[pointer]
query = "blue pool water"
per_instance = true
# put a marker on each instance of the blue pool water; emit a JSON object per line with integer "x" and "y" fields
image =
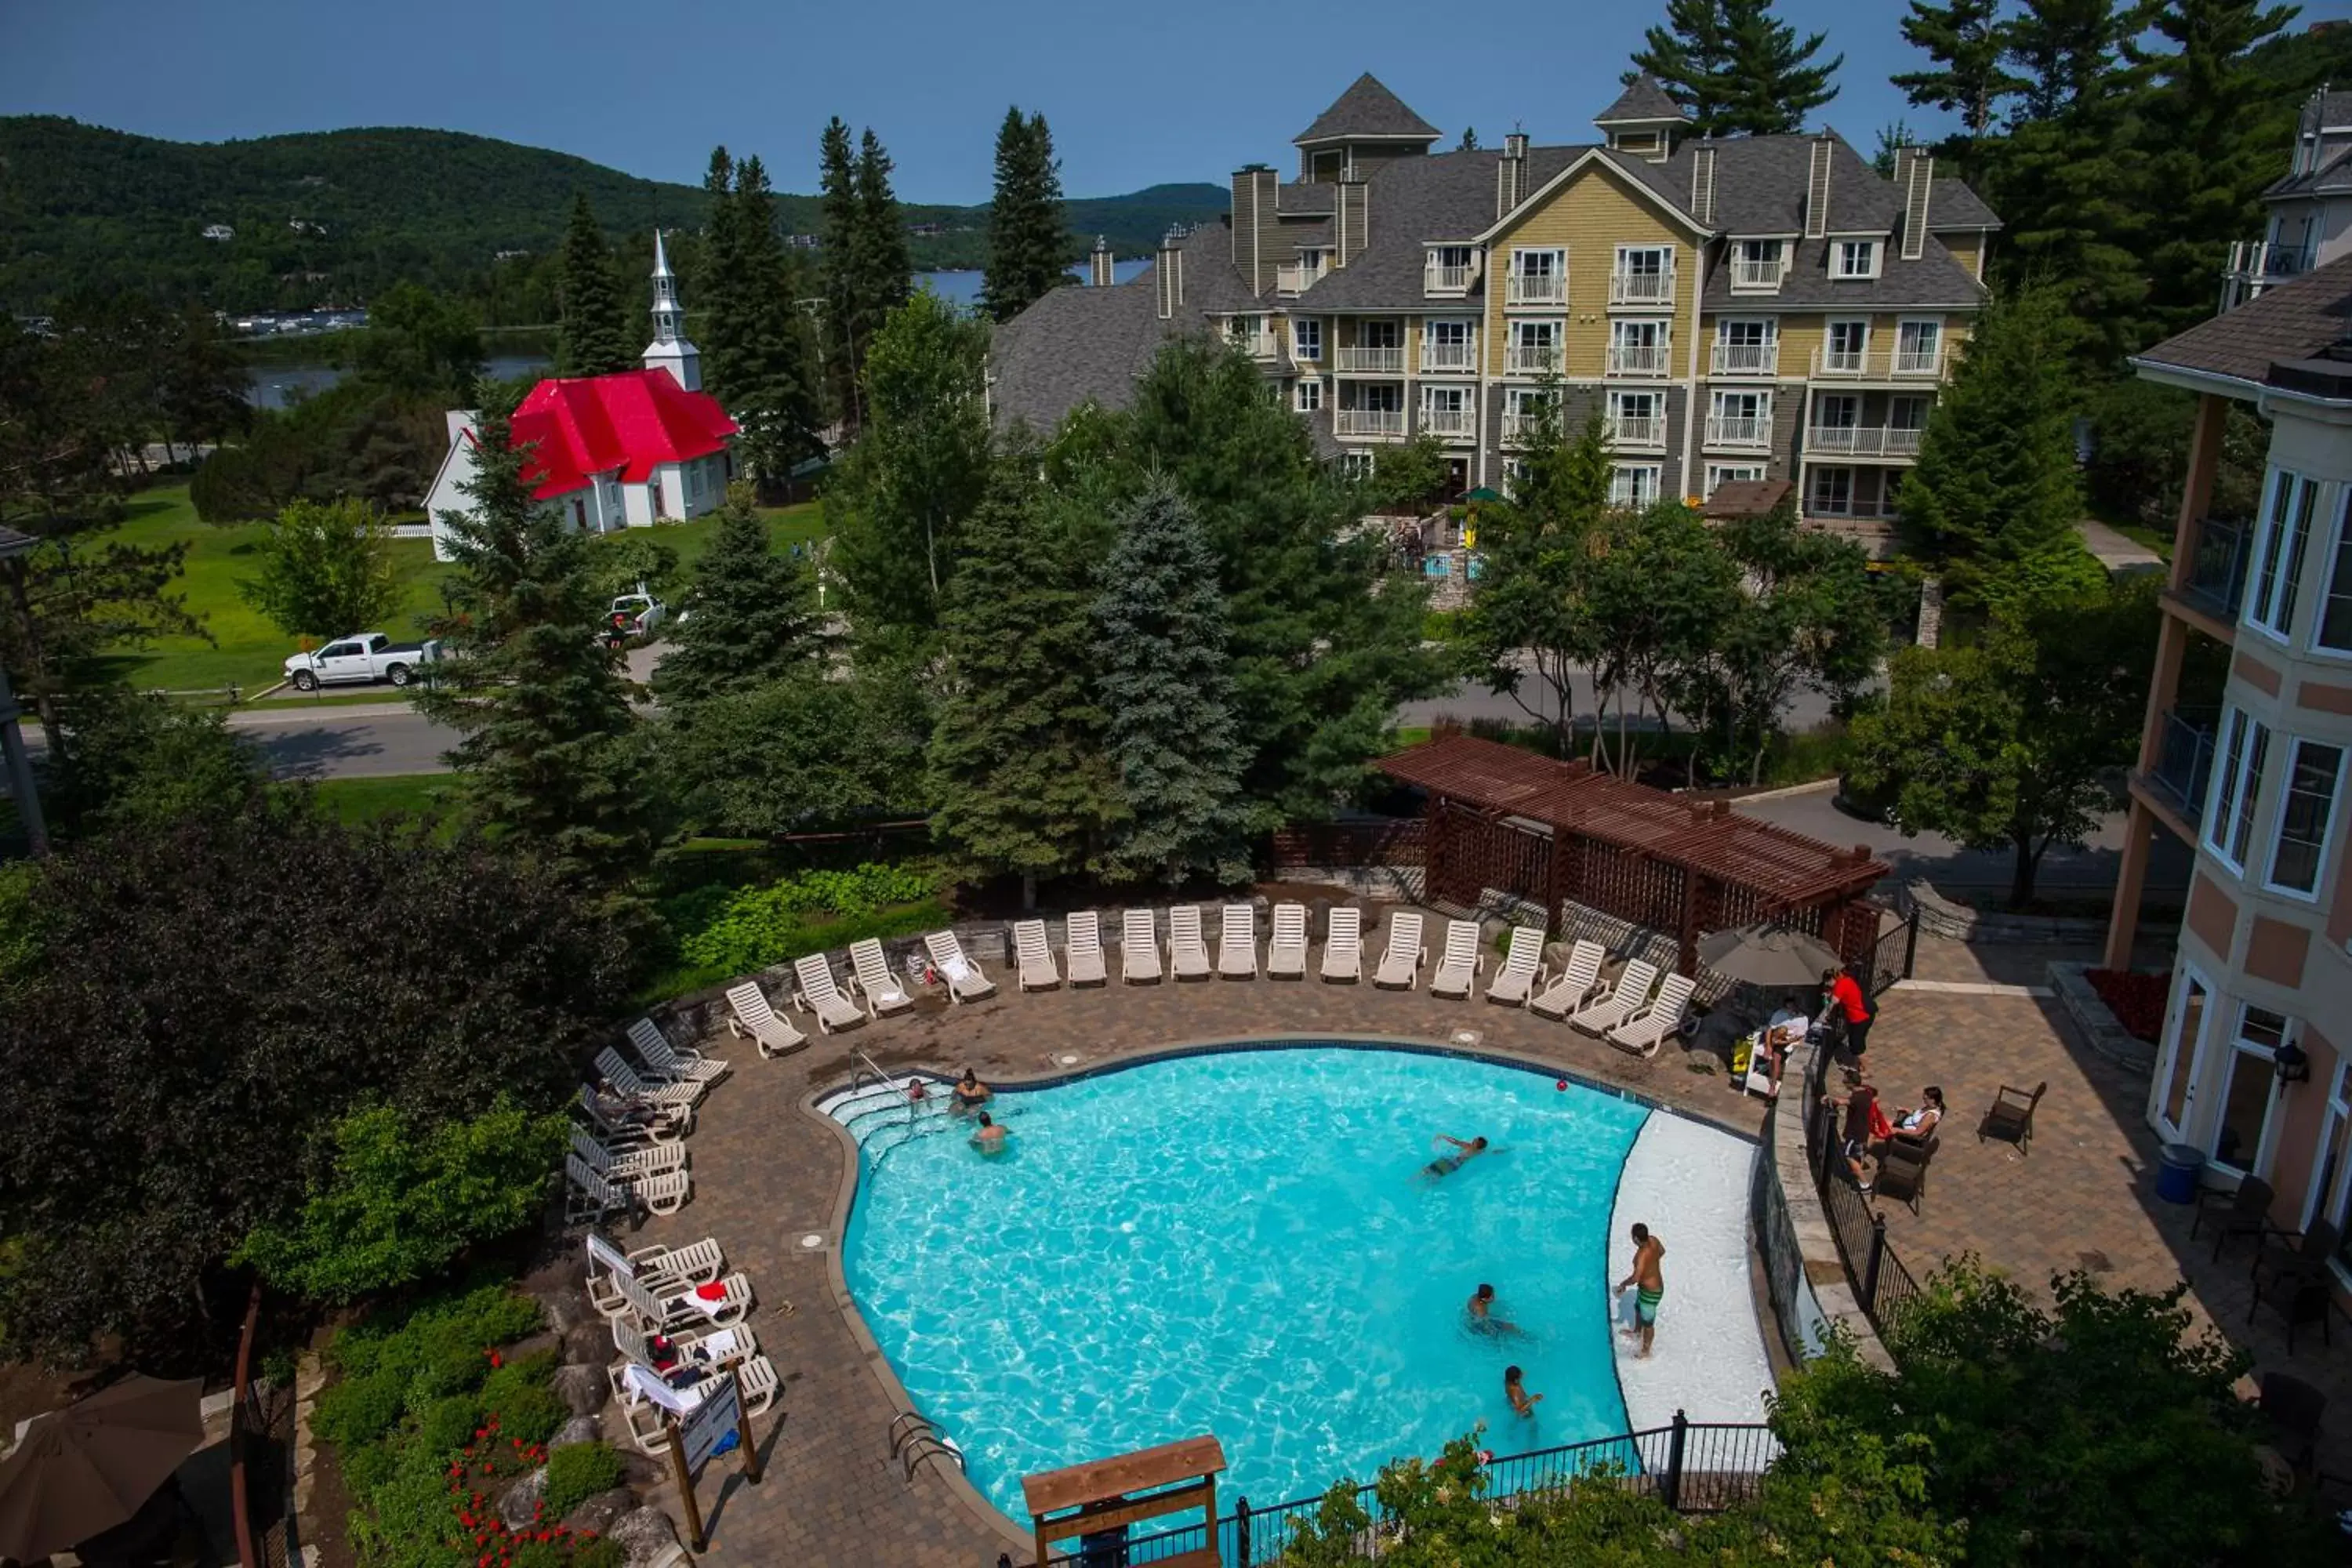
{"x": 1241, "y": 1244}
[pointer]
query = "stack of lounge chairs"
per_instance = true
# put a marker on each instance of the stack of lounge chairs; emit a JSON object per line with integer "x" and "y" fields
{"x": 678, "y": 1321}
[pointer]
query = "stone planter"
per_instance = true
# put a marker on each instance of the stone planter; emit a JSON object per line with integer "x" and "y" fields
{"x": 2100, "y": 1029}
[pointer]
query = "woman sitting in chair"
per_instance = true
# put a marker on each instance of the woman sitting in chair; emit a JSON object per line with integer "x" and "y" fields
{"x": 1917, "y": 1125}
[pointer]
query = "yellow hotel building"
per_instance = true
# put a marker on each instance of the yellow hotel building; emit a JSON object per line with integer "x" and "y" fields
{"x": 1763, "y": 307}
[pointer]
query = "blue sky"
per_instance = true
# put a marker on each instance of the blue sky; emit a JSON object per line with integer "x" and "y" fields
{"x": 1138, "y": 93}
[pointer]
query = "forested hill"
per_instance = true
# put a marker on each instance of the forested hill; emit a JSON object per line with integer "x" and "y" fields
{"x": 332, "y": 217}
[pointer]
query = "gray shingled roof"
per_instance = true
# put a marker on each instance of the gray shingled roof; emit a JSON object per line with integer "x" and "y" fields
{"x": 1760, "y": 185}
{"x": 1365, "y": 108}
{"x": 1936, "y": 278}
{"x": 1409, "y": 202}
{"x": 1951, "y": 205}
{"x": 2291, "y": 322}
{"x": 1305, "y": 198}
{"x": 2331, "y": 178}
{"x": 1642, "y": 99}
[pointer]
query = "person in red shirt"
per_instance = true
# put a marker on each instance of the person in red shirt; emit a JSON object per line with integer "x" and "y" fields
{"x": 1845, "y": 994}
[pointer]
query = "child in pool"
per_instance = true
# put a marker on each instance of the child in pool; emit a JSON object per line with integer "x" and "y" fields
{"x": 1462, "y": 1154}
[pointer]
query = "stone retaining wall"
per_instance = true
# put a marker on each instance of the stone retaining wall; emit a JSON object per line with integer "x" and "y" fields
{"x": 1939, "y": 916}
{"x": 2101, "y": 1031}
{"x": 1815, "y": 1299}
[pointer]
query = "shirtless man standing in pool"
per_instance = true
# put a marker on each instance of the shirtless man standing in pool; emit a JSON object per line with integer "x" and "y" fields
{"x": 1445, "y": 1164}
{"x": 1649, "y": 1285}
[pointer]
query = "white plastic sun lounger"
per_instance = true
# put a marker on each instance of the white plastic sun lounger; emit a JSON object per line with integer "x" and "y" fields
{"x": 627, "y": 1164}
{"x": 1649, "y": 1027}
{"x": 1286, "y": 951}
{"x": 658, "y": 1269}
{"x": 655, "y": 1125}
{"x": 1188, "y": 955}
{"x": 685, "y": 1310}
{"x": 1400, "y": 963}
{"x": 1237, "y": 942}
{"x": 1634, "y": 982}
{"x": 1460, "y": 964}
{"x": 653, "y": 1049}
{"x": 683, "y": 1096}
{"x": 1574, "y": 986}
{"x": 870, "y": 977}
{"x": 595, "y": 1196}
{"x": 1343, "y": 947}
{"x": 819, "y": 994}
{"x": 643, "y": 1395}
{"x": 1516, "y": 980}
{"x": 965, "y": 980}
{"x": 1082, "y": 949}
{"x": 1035, "y": 957}
{"x": 1138, "y": 949}
{"x": 769, "y": 1030}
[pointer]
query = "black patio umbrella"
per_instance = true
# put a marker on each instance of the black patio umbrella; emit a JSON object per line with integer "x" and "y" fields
{"x": 1776, "y": 957}
{"x": 91, "y": 1466}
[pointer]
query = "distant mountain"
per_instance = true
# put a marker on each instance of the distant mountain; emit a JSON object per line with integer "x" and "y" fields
{"x": 333, "y": 218}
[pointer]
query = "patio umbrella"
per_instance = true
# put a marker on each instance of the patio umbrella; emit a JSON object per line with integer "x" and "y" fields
{"x": 89, "y": 1467}
{"x": 1484, "y": 493}
{"x": 1776, "y": 957}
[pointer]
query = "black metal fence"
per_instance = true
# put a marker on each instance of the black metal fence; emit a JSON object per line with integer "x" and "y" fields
{"x": 1881, "y": 1283}
{"x": 1892, "y": 954}
{"x": 1693, "y": 1467}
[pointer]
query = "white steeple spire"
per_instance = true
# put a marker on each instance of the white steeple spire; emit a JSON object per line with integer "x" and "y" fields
{"x": 669, "y": 350}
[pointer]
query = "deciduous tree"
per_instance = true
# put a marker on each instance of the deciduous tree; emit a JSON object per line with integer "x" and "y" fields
{"x": 1028, "y": 232}
{"x": 755, "y": 618}
{"x": 420, "y": 344}
{"x": 598, "y": 334}
{"x": 326, "y": 569}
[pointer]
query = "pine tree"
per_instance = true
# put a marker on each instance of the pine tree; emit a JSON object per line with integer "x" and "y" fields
{"x": 1688, "y": 56}
{"x": 846, "y": 326}
{"x": 755, "y": 617}
{"x": 2217, "y": 127}
{"x": 889, "y": 275}
{"x": 550, "y": 759}
{"x": 755, "y": 353}
{"x": 596, "y": 336}
{"x": 1469, "y": 142}
{"x": 1995, "y": 487}
{"x": 1167, "y": 682}
{"x": 1017, "y": 763}
{"x": 1967, "y": 41}
{"x": 2069, "y": 52}
{"x": 1737, "y": 67}
{"x": 1028, "y": 232}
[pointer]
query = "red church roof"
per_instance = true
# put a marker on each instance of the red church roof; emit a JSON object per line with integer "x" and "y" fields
{"x": 631, "y": 421}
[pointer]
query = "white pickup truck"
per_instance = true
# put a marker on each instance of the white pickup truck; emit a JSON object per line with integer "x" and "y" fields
{"x": 358, "y": 660}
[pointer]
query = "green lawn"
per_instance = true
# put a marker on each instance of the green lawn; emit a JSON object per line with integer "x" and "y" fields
{"x": 365, "y": 800}
{"x": 248, "y": 651}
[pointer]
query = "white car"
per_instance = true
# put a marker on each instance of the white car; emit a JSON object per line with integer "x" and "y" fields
{"x": 360, "y": 659}
{"x": 643, "y": 612}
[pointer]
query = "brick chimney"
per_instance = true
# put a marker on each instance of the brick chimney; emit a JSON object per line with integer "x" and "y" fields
{"x": 1817, "y": 188}
{"x": 1257, "y": 195}
{"x": 1915, "y": 167}
{"x": 1168, "y": 275}
{"x": 1511, "y": 175}
{"x": 1703, "y": 182}
{"x": 1099, "y": 270}
{"x": 1351, "y": 223}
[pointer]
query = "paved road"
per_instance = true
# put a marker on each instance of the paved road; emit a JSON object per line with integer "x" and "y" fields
{"x": 366, "y": 740}
{"x": 1472, "y": 700}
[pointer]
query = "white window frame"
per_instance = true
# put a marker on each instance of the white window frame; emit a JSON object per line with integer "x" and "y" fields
{"x": 1356, "y": 463}
{"x": 2239, "y": 763}
{"x": 2275, "y": 585}
{"x": 1774, "y": 252}
{"x": 2240, "y": 1044}
{"x": 2339, "y": 587}
{"x": 1721, "y": 474}
{"x": 1308, "y": 397}
{"x": 1813, "y": 478}
{"x": 1767, "y": 337}
{"x": 1930, "y": 327}
{"x": 1860, "y": 325}
{"x": 1301, "y": 329}
{"x": 1457, "y": 397}
{"x": 2292, "y": 751}
{"x": 1627, "y": 478}
{"x": 1522, "y": 254}
{"x": 1841, "y": 252}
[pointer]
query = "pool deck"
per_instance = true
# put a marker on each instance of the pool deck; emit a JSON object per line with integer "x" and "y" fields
{"x": 769, "y": 1173}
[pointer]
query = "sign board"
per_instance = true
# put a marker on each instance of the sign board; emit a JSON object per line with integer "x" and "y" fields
{"x": 711, "y": 1423}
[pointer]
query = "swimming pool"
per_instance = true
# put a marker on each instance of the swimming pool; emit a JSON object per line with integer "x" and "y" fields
{"x": 1243, "y": 1244}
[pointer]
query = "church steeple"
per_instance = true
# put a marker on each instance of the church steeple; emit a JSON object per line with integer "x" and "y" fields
{"x": 669, "y": 350}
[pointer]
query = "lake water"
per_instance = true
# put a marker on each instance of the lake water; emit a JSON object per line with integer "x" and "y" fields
{"x": 275, "y": 386}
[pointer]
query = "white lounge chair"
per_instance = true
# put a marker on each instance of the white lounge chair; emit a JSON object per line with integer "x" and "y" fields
{"x": 1516, "y": 980}
{"x": 1651, "y": 1023}
{"x": 644, "y": 1411}
{"x": 870, "y": 977}
{"x": 596, "y": 1196}
{"x": 1082, "y": 949}
{"x": 965, "y": 980}
{"x": 774, "y": 1034}
{"x": 1286, "y": 950}
{"x": 1035, "y": 957}
{"x": 1237, "y": 942}
{"x": 819, "y": 995}
{"x": 1400, "y": 962}
{"x": 1574, "y": 986}
{"x": 1634, "y": 982}
{"x": 1187, "y": 954}
{"x": 1343, "y": 947}
{"x": 1459, "y": 964}
{"x": 659, "y": 1269}
{"x": 627, "y": 1164}
{"x": 685, "y": 1311}
{"x": 635, "y": 1128}
{"x": 646, "y": 1092}
{"x": 653, "y": 1049}
{"x": 1138, "y": 949}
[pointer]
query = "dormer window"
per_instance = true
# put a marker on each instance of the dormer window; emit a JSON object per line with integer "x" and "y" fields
{"x": 1450, "y": 268}
{"x": 1854, "y": 259}
{"x": 1757, "y": 263}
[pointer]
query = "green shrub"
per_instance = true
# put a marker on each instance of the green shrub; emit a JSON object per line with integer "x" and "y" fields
{"x": 448, "y": 1425}
{"x": 578, "y": 1472}
{"x": 531, "y": 1411}
{"x": 369, "y": 1468}
{"x": 467, "y": 1321}
{"x": 361, "y": 1409}
{"x": 754, "y": 926}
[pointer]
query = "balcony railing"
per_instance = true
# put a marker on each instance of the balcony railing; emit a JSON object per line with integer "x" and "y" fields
{"x": 2255, "y": 265}
{"x": 1369, "y": 422}
{"x": 1532, "y": 359}
{"x": 1637, "y": 359}
{"x": 1294, "y": 277}
{"x": 1536, "y": 289}
{"x": 1373, "y": 361}
{"x": 1437, "y": 279}
{"x": 1863, "y": 441}
{"x": 1448, "y": 422}
{"x": 1637, "y": 430}
{"x": 1435, "y": 355}
{"x": 1257, "y": 345}
{"x": 1738, "y": 429}
{"x": 2184, "y": 760}
{"x": 1517, "y": 427}
{"x": 2217, "y": 572}
{"x": 1746, "y": 359}
{"x": 1756, "y": 274}
{"x": 1880, "y": 364}
{"x": 1642, "y": 288}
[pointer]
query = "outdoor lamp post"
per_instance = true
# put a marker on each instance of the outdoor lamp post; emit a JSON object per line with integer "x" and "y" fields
{"x": 2292, "y": 1065}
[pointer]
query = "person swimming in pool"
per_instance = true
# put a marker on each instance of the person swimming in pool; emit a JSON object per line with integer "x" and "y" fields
{"x": 990, "y": 1139}
{"x": 1480, "y": 1312}
{"x": 1517, "y": 1393}
{"x": 970, "y": 1094}
{"x": 1462, "y": 1154}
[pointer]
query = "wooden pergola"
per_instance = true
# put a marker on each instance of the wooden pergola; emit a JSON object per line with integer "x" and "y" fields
{"x": 1503, "y": 818}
